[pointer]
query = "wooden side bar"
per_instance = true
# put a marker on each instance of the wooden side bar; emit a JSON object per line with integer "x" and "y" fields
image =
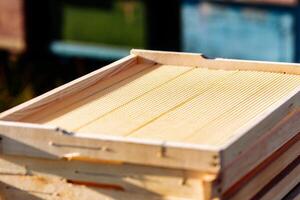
{"x": 59, "y": 94}
{"x": 274, "y": 128}
{"x": 199, "y": 60}
{"x": 138, "y": 179}
{"x": 256, "y": 179}
{"x": 54, "y": 143}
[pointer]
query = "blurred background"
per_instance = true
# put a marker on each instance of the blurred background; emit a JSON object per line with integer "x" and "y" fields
{"x": 44, "y": 44}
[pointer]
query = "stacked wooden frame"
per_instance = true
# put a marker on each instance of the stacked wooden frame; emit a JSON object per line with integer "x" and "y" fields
{"x": 47, "y": 151}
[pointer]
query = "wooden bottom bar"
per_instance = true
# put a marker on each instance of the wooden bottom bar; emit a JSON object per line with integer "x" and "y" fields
{"x": 36, "y": 187}
{"x": 22, "y": 187}
{"x": 161, "y": 183}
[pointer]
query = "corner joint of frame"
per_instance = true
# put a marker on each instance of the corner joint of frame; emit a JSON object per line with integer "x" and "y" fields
{"x": 64, "y": 131}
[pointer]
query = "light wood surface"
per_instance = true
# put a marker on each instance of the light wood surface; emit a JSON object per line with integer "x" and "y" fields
{"x": 164, "y": 109}
{"x": 286, "y": 184}
{"x": 24, "y": 187}
{"x": 256, "y": 183}
{"x": 104, "y": 102}
{"x": 45, "y": 101}
{"x": 136, "y": 179}
{"x": 198, "y": 60}
{"x": 176, "y": 103}
{"x": 246, "y": 153}
{"x": 53, "y": 143}
{"x": 85, "y": 95}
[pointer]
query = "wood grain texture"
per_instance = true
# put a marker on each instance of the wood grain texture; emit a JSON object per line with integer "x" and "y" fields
{"x": 286, "y": 184}
{"x": 87, "y": 97}
{"x": 106, "y": 101}
{"x": 49, "y": 99}
{"x": 24, "y": 187}
{"x": 271, "y": 130}
{"x": 136, "y": 179}
{"x": 52, "y": 143}
{"x": 259, "y": 180}
{"x": 156, "y": 103}
{"x": 143, "y": 100}
{"x": 178, "y": 104}
{"x": 198, "y": 60}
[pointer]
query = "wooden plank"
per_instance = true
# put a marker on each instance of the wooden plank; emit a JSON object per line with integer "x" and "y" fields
{"x": 268, "y": 171}
{"x": 198, "y": 60}
{"x": 104, "y": 102}
{"x": 12, "y": 30}
{"x": 228, "y": 110}
{"x": 141, "y": 105}
{"x": 250, "y": 104}
{"x": 294, "y": 194}
{"x": 58, "y": 94}
{"x": 87, "y": 97}
{"x": 50, "y": 142}
{"x": 279, "y": 123}
{"x": 287, "y": 183}
{"x": 131, "y": 178}
{"x": 152, "y": 105}
{"x": 26, "y": 187}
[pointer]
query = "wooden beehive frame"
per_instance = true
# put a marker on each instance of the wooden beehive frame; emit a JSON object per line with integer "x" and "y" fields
{"x": 264, "y": 173}
{"x": 278, "y": 124}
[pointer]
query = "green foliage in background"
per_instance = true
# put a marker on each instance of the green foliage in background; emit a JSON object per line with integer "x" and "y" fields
{"x": 122, "y": 24}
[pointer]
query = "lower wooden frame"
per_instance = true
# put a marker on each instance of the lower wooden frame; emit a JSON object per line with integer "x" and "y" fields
{"x": 258, "y": 179}
{"x": 22, "y": 187}
{"x": 22, "y": 183}
{"x": 288, "y": 179}
{"x": 157, "y": 183}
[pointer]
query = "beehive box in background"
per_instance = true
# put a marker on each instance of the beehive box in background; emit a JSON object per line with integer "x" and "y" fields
{"x": 158, "y": 125}
{"x": 240, "y": 32}
{"x": 12, "y": 29}
{"x": 271, "y": 2}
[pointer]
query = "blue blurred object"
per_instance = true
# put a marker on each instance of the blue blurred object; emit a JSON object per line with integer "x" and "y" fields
{"x": 220, "y": 30}
{"x": 69, "y": 49}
